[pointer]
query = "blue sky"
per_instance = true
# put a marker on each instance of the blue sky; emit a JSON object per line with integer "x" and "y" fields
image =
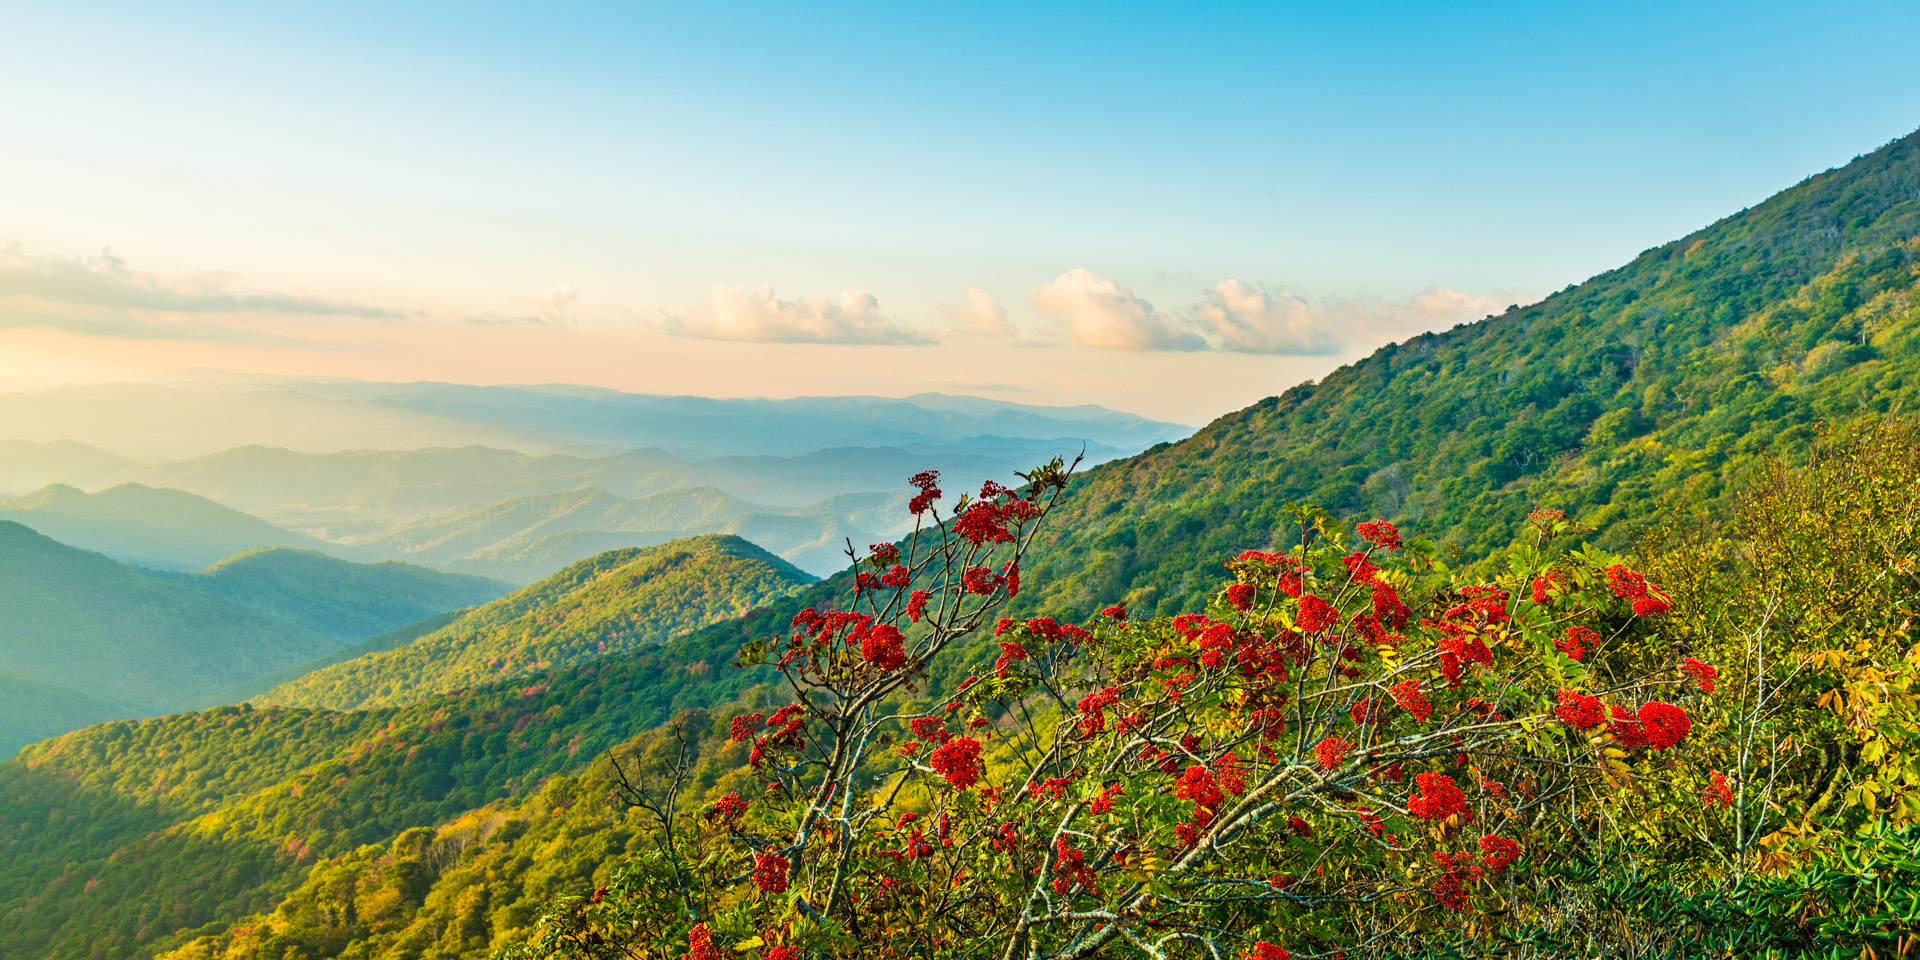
{"x": 681, "y": 198}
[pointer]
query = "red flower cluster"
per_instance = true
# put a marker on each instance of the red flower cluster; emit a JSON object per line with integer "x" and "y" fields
{"x": 884, "y": 553}
{"x": 785, "y": 724}
{"x": 1450, "y": 887}
{"x": 1379, "y": 533}
{"x": 917, "y": 606}
{"x": 1359, "y": 568}
{"x": 1664, "y": 724}
{"x": 1104, "y": 802}
{"x": 1366, "y": 711}
{"x": 1198, "y": 786}
{"x": 897, "y": 577}
{"x": 1093, "y": 710}
{"x": 884, "y": 647}
{"x": 1576, "y": 642}
{"x": 1703, "y": 673}
{"x": 958, "y": 760}
{"x": 1497, "y": 853}
{"x": 744, "y": 726}
{"x": 980, "y": 580}
{"x": 1331, "y": 751}
{"x": 1009, "y": 653}
{"x": 1578, "y": 710}
{"x": 1240, "y": 596}
{"x": 728, "y": 808}
{"x": 1484, "y": 602}
{"x": 1387, "y": 607}
{"x": 1070, "y": 868}
{"x": 1263, "y": 950}
{"x": 1115, "y": 612}
{"x": 982, "y": 523}
{"x": 928, "y": 481}
{"x": 1438, "y": 798}
{"x": 1407, "y": 694}
{"x": 1300, "y": 827}
{"x": 770, "y": 872}
{"x": 1647, "y": 600}
{"x": 1544, "y": 586}
{"x": 700, "y": 944}
{"x": 930, "y": 728}
{"x": 1718, "y": 792}
{"x": 1316, "y": 614}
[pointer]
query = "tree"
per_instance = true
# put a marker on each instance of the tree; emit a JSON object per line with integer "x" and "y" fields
{"x": 1349, "y": 750}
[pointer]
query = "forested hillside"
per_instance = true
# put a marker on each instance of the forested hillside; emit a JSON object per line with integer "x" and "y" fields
{"x": 85, "y": 638}
{"x": 1640, "y": 394}
{"x": 127, "y": 838}
{"x": 349, "y": 601}
{"x": 615, "y": 603}
{"x": 163, "y": 529}
{"x": 118, "y": 641}
{"x": 1643, "y": 392}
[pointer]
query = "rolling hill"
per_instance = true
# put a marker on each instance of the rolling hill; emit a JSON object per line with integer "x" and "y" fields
{"x": 526, "y": 538}
{"x": 1636, "y": 396}
{"x": 614, "y": 603}
{"x": 334, "y": 597}
{"x": 82, "y": 624}
{"x": 200, "y": 414}
{"x": 164, "y": 529}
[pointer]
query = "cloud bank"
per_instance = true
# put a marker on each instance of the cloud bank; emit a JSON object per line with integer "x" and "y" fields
{"x": 736, "y": 313}
{"x": 1099, "y": 312}
{"x": 1238, "y": 317}
{"x": 982, "y": 315}
{"x": 108, "y": 281}
{"x": 104, "y": 296}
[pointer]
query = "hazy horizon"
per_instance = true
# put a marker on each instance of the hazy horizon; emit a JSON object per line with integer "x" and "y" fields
{"x": 1169, "y": 211}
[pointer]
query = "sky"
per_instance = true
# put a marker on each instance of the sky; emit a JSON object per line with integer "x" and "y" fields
{"x": 1171, "y": 209}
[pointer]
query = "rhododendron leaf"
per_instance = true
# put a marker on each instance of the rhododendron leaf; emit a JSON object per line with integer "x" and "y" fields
{"x": 750, "y": 943}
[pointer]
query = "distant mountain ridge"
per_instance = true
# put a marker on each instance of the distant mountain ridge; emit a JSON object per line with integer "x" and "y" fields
{"x": 336, "y": 598}
{"x": 373, "y": 505}
{"x": 80, "y": 622}
{"x": 193, "y": 417}
{"x": 84, "y": 638}
{"x": 1628, "y": 399}
{"x": 164, "y": 529}
{"x": 516, "y": 537}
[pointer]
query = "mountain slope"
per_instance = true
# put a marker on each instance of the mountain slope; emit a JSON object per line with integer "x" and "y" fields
{"x": 619, "y": 601}
{"x": 526, "y": 561}
{"x": 526, "y": 538}
{"x": 347, "y": 601}
{"x": 79, "y": 622}
{"x": 1631, "y": 395}
{"x": 25, "y": 465}
{"x": 31, "y": 710}
{"x": 128, "y": 838}
{"x": 166, "y": 529}
{"x": 1634, "y": 395}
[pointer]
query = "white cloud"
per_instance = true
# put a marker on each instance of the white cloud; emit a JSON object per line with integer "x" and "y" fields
{"x": 556, "y": 297}
{"x": 982, "y": 314}
{"x": 104, "y": 296}
{"x": 1435, "y": 308}
{"x": 549, "y": 306}
{"x": 736, "y": 313}
{"x": 108, "y": 281}
{"x": 1099, "y": 312}
{"x": 1251, "y": 321}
